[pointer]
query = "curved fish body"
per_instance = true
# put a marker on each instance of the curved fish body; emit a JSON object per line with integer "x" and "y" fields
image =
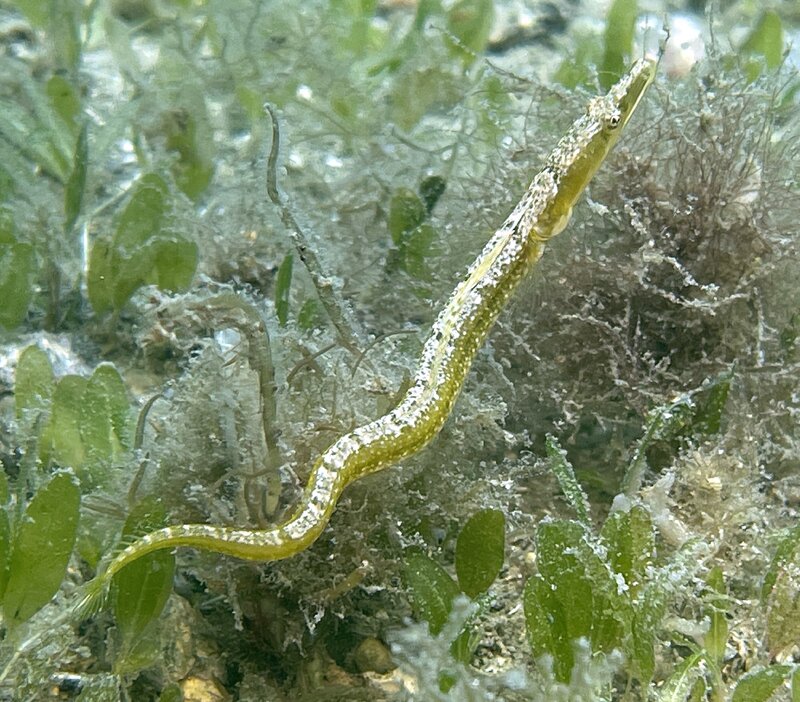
{"x": 457, "y": 334}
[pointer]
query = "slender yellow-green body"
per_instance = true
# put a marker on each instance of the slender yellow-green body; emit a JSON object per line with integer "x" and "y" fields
{"x": 457, "y": 334}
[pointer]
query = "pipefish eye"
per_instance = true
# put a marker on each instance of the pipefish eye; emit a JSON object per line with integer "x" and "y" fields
{"x": 605, "y": 112}
{"x": 610, "y": 115}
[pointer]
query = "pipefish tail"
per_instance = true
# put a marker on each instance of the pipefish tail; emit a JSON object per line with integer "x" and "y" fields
{"x": 448, "y": 352}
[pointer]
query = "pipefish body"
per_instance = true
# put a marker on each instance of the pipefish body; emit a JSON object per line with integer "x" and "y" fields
{"x": 457, "y": 334}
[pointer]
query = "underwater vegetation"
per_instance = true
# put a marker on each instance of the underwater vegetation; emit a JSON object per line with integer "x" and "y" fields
{"x": 190, "y": 317}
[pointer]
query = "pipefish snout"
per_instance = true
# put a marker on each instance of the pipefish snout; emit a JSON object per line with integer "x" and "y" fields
{"x": 456, "y": 335}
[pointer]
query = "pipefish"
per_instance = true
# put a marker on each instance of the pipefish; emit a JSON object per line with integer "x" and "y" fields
{"x": 448, "y": 352}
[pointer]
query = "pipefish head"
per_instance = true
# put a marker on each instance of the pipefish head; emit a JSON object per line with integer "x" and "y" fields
{"x": 579, "y": 154}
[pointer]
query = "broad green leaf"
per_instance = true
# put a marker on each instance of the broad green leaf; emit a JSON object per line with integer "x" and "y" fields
{"x": 546, "y": 624}
{"x": 576, "y": 69}
{"x": 310, "y": 315}
{"x": 95, "y": 427}
{"x": 92, "y": 545}
{"x": 565, "y": 474}
{"x": 33, "y": 381}
{"x": 412, "y": 237}
{"x": 691, "y": 416}
{"x": 6, "y": 225}
{"x": 141, "y": 591}
{"x": 710, "y": 404}
{"x": 470, "y": 22}
{"x": 416, "y": 248}
{"x": 65, "y": 33}
{"x": 629, "y": 538}
{"x": 64, "y": 429}
{"x": 717, "y": 637}
{"x": 766, "y": 41}
{"x": 16, "y": 288}
{"x": 681, "y": 682}
{"x": 100, "y": 277}
{"x": 107, "y": 377}
{"x": 143, "y": 652}
{"x": 142, "y": 251}
{"x": 480, "y": 551}
{"x": 406, "y": 213}
{"x": 37, "y": 12}
{"x": 699, "y": 691}
{"x": 252, "y": 102}
{"x": 759, "y": 685}
{"x": 65, "y": 101}
{"x": 41, "y": 548}
{"x": 50, "y": 130}
{"x": 130, "y": 272}
{"x": 16, "y": 173}
{"x": 618, "y": 40}
{"x": 363, "y": 34}
{"x": 783, "y": 607}
{"x": 5, "y": 548}
{"x": 430, "y": 190}
{"x": 193, "y": 168}
{"x": 789, "y": 335}
{"x": 143, "y": 216}
{"x": 570, "y": 563}
{"x": 784, "y": 553}
{"x": 646, "y": 622}
{"x": 32, "y": 139}
{"x": 283, "y": 285}
{"x": 104, "y": 415}
{"x": 73, "y": 193}
{"x": 560, "y": 567}
{"x": 463, "y": 647}
{"x": 494, "y": 110}
{"x": 426, "y": 9}
{"x": 171, "y": 693}
{"x": 119, "y": 36}
{"x": 663, "y": 423}
{"x": 175, "y": 261}
{"x": 432, "y": 589}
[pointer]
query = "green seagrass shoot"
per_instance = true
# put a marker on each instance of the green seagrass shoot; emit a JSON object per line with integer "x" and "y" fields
{"x": 146, "y": 248}
{"x": 413, "y": 237}
{"x": 609, "y": 587}
{"x": 83, "y": 423}
{"x": 37, "y": 536}
{"x": 479, "y": 556}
